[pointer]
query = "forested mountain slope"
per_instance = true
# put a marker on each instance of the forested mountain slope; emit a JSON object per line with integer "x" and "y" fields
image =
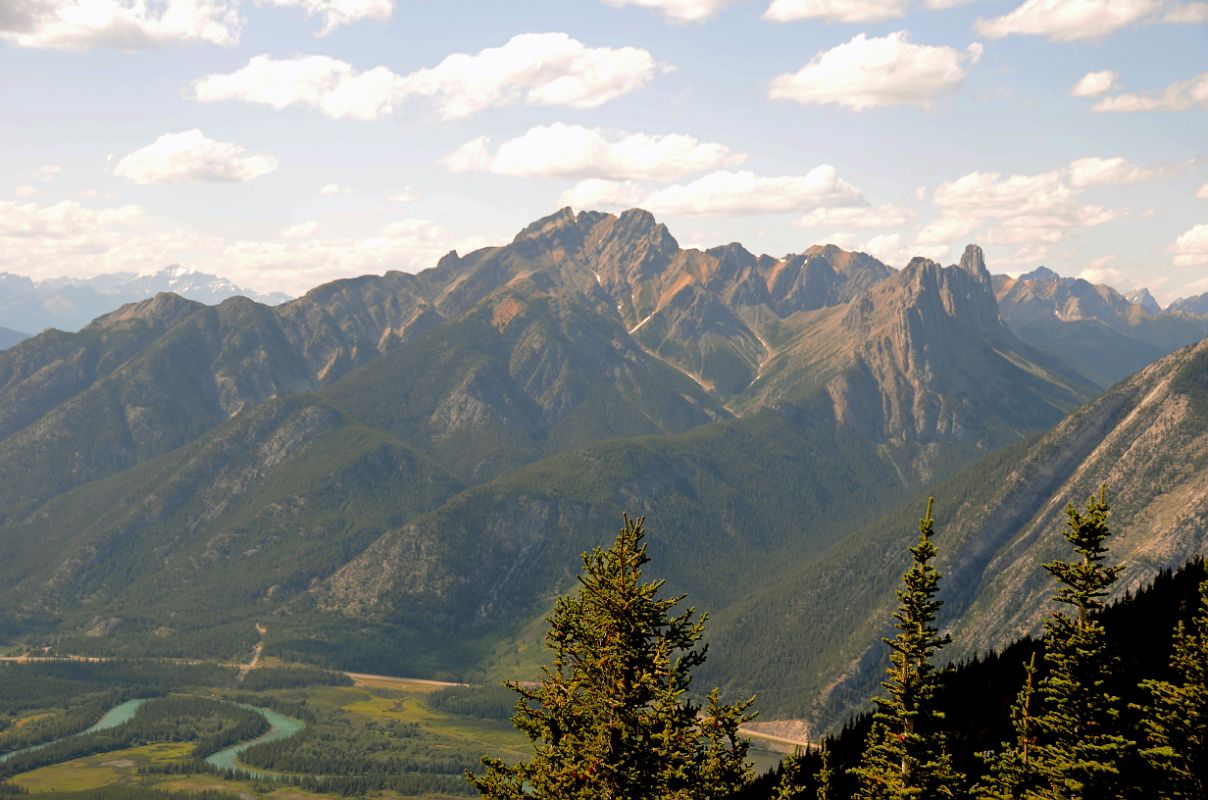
{"x": 398, "y": 472}
{"x": 1146, "y": 440}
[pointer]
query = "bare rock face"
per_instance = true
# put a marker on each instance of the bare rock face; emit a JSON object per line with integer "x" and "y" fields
{"x": 1142, "y": 298}
{"x": 973, "y": 261}
{"x": 1146, "y": 442}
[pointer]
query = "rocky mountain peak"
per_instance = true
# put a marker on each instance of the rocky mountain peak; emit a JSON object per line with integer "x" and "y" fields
{"x": 1041, "y": 273}
{"x": 640, "y": 225}
{"x": 635, "y": 247}
{"x": 561, "y": 231}
{"x": 973, "y": 261}
{"x": 163, "y": 307}
{"x": 1142, "y": 298}
{"x": 920, "y": 263}
{"x": 732, "y": 259}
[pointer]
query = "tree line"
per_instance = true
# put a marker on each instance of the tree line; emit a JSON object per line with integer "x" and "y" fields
{"x": 613, "y": 715}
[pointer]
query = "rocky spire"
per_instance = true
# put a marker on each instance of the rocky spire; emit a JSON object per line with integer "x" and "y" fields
{"x": 973, "y": 261}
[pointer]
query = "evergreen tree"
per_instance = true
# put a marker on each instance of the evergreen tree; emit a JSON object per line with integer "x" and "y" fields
{"x": 905, "y": 755}
{"x": 800, "y": 774}
{"x": 825, "y": 792}
{"x": 1176, "y": 720}
{"x": 1013, "y": 773}
{"x": 1074, "y": 747}
{"x": 611, "y": 718}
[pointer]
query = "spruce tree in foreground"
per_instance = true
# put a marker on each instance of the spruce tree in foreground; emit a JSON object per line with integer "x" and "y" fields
{"x": 1012, "y": 773}
{"x": 611, "y": 718}
{"x": 1176, "y": 720}
{"x": 906, "y": 754}
{"x": 1074, "y": 748}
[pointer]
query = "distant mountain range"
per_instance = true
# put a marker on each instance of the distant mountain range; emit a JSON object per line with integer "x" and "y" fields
{"x": 1197, "y": 305}
{"x": 1102, "y": 333}
{"x": 397, "y": 472}
{"x": 71, "y": 303}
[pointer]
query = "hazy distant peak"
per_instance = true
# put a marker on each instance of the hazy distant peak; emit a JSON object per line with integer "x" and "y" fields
{"x": 1142, "y": 298}
{"x": 1041, "y": 273}
{"x": 1197, "y": 305}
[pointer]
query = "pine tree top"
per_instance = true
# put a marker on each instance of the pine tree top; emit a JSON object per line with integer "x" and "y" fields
{"x": 1085, "y": 582}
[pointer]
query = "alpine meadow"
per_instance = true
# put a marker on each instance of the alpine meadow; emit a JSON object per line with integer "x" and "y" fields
{"x": 607, "y": 400}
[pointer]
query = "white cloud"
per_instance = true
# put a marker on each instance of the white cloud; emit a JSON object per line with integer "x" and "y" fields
{"x": 1203, "y": 192}
{"x": 723, "y": 192}
{"x": 473, "y": 156}
{"x": 837, "y": 10}
{"x": 678, "y": 10}
{"x": 25, "y": 190}
{"x": 338, "y": 12}
{"x": 1188, "y": 14}
{"x": 66, "y": 238}
{"x": 947, "y": 230}
{"x": 1098, "y": 271}
{"x": 1191, "y": 249}
{"x": 891, "y": 248}
{"x": 124, "y": 24}
{"x": 745, "y": 192}
{"x": 405, "y": 195}
{"x": 1093, "y": 84}
{"x": 868, "y": 72}
{"x": 47, "y": 172}
{"x": 1069, "y": 20}
{"x": 575, "y": 151}
{"x": 596, "y": 194}
{"x": 64, "y": 221}
{"x": 301, "y": 230}
{"x": 1031, "y": 211}
{"x": 884, "y": 216}
{"x": 1179, "y": 96}
{"x": 990, "y": 195}
{"x": 1013, "y": 262}
{"x": 297, "y": 265}
{"x": 190, "y": 156}
{"x": 334, "y": 190}
{"x": 541, "y": 69}
{"x": 333, "y": 87}
{"x": 1108, "y": 172}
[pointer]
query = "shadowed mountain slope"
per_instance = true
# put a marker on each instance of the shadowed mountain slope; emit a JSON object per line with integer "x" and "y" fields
{"x": 1146, "y": 440}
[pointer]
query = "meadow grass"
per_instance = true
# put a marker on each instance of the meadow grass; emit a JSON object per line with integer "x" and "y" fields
{"x": 101, "y": 769}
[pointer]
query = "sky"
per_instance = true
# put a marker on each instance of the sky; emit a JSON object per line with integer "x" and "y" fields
{"x": 285, "y": 143}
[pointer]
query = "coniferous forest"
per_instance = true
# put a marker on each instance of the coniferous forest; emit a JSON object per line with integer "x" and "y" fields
{"x": 1111, "y": 702}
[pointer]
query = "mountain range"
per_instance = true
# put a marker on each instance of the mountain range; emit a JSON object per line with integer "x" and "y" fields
{"x": 397, "y": 473}
{"x": 71, "y": 303}
{"x": 1102, "y": 333}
